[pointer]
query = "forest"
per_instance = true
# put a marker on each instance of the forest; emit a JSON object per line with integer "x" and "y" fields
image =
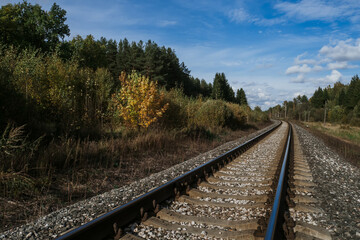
{"x": 83, "y": 115}
{"x": 66, "y": 86}
{"x": 339, "y": 103}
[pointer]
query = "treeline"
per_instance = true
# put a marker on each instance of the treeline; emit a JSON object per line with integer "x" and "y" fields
{"x": 337, "y": 104}
{"x": 56, "y": 86}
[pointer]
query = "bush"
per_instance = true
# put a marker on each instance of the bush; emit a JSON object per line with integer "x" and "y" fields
{"x": 176, "y": 114}
{"x": 318, "y": 114}
{"x": 336, "y": 114}
{"x": 257, "y": 115}
{"x": 240, "y": 116}
{"x": 51, "y": 92}
{"x": 214, "y": 114}
{"x": 138, "y": 103}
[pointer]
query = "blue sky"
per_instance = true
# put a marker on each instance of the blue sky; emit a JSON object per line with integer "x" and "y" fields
{"x": 275, "y": 50}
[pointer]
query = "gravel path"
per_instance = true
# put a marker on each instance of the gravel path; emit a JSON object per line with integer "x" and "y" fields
{"x": 52, "y": 225}
{"x": 337, "y": 186}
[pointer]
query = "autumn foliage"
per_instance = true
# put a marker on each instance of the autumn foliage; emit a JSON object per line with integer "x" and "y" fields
{"x": 138, "y": 103}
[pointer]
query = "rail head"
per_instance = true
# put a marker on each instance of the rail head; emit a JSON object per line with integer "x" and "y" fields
{"x": 274, "y": 222}
{"x": 103, "y": 226}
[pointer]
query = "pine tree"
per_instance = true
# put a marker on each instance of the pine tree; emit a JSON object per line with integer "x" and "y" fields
{"x": 243, "y": 100}
{"x": 341, "y": 99}
{"x": 221, "y": 88}
{"x": 353, "y": 93}
{"x": 317, "y": 100}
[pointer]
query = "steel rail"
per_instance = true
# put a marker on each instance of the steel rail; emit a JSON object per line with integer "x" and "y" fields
{"x": 103, "y": 226}
{"x": 274, "y": 228}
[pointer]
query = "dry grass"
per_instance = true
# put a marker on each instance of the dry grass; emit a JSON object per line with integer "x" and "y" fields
{"x": 347, "y": 133}
{"x": 349, "y": 149}
{"x": 71, "y": 170}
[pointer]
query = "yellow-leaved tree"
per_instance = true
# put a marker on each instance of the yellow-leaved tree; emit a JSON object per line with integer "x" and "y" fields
{"x": 138, "y": 103}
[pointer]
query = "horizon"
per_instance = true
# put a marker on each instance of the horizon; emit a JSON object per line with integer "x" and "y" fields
{"x": 274, "y": 50}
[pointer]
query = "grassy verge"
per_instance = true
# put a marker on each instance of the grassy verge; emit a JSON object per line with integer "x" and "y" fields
{"x": 343, "y": 139}
{"x": 344, "y": 132}
{"x": 70, "y": 170}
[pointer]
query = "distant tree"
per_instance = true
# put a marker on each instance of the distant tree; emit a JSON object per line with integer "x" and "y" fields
{"x": 25, "y": 25}
{"x": 304, "y": 99}
{"x": 89, "y": 52}
{"x": 353, "y": 93}
{"x": 111, "y": 57}
{"x": 326, "y": 96}
{"x": 258, "y": 109}
{"x": 341, "y": 98}
{"x": 222, "y": 89}
{"x": 205, "y": 88}
{"x": 241, "y": 97}
{"x": 154, "y": 64}
{"x": 317, "y": 100}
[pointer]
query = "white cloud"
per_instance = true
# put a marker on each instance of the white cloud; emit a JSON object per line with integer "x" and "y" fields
{"x": 165, "y": 23}
{"x": 340, "y": 65}
{"x": 239, "y": 15}
{"x": 263, "y": 66}
{"x": 334, "y": 77}
{"x": 298, "y": 79}
{"x": 268, "y": 21}
{"x": 317, "y": 68}
{"x": 298, "y": 69}
{"x": 344, "y": 51}
{"x": 308, "y": 10}
{"x": 231, "y": 63}
{"x": 304, "y": 61}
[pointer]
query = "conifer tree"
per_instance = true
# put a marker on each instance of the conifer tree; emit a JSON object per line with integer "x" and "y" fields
{"x": 241, "y": 97}
{"x": 317, "y": 100}
{"x": 222, "y": 89}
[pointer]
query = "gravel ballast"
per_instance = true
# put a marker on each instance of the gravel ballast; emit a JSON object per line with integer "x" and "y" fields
{"x": 337, "y": 186}
{"x": 58, "y": 222}
{"x": 235, "y": 206}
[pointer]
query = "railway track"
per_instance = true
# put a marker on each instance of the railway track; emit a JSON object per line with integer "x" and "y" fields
{"x": 243, "y": 194}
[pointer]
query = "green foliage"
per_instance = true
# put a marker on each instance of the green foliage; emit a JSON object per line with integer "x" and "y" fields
{"x": 353, "y": 93}
{"x": 318, "y": 100}
{"x": 241, "y": 97}
{"x": 257, "y": 115}
{"x": 176, "y": 116}
{"x": 51, "y": 90}
{"x": 221, "y": 88}
{"x": 336, "y": 114}
{"x": 25, "y": 25}
{"x": 240, "y": 115}
{"x": 88, "y": 52}
{"x": 341, "y": 103}
{"x": 181, "y": 110}
{"x": 214, "y": 114}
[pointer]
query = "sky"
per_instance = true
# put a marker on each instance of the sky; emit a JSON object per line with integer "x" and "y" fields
{"x": 274, "y": 50}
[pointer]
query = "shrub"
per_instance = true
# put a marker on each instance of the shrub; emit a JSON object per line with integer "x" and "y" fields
{"x": 214, "y": 114}
{"x": 257, "y": 115}
{"x": 192, "y": 108}
{"x": 240, "y": 116}
{"x": 336, "y": 114}
{"x": 176, "y": 115}
{"x": 139, "y": 102}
